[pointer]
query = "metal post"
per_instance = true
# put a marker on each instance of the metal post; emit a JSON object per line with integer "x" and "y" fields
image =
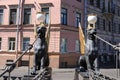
{"x": 9, "y": 76}
{"x": 18, "y": 22}
{"x": 28, "y": 64}
{"x": 85, "y": 17}
{"x": 119, "y": 60}
{"x": 117, "y": 64}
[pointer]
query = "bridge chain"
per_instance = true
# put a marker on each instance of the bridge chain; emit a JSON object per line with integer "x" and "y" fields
{"x": 45, "y": 74}
{"x": 99, "y": 76}
{"x": 12, "y": 77}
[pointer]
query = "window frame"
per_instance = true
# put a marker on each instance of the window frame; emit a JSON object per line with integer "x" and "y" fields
{"x": 63, "y": 46}
{"x": 11, "y": 44}
{"x": 77, "y": 46}
{"x": 98, "y": 23}
{"x": 78, "y": 19}
{"x": 98, "y": 3}
{"x": 15, "y": 15}
{"x": 104, "y": 24}
{"x": 46, "y": 10}
{"x": 103, "y": 6}
{"x": 109, "y": 26}
{"x": 119, "y": 28}
{"x": 64, "y": 16}
{"x": 24, "y": 18}
{"x": 25, "y": 43}
{"x": 115, "y": 27}
{"x": 1, "y": 20}
{"x": 104, "y": 46}
{"x": 91, "y": 2}
{"x": 98, "y": 44}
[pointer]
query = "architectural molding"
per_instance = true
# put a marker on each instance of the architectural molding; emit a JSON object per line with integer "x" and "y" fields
{"x": 3, "y": 7}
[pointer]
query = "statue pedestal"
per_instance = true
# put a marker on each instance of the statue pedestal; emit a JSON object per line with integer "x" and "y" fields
{"x": 81, "y": 75}
{"x": 45, "y": 74}
{"x": 28, "y": 77}
{"x": 84, "y": 75}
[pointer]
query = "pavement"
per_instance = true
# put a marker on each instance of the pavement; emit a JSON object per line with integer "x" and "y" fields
{"x": 61, "y": 74}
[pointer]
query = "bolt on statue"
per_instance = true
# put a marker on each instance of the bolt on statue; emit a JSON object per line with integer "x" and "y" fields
{"x": 89, "y": 59}
{"x": 41, "y": 58}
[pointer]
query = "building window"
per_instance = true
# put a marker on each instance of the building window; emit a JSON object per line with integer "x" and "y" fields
{"x": 109, "y": 6}
{"x": 102, "y": 58}
{"x": 98, "y": 23}
{"x": 46, "y": 10}
{"x": 92, "y": 2}
{"x": 63, "y": 47}
{"x": 103, "y": 6}
{"x": 119, "y": 11}
{"x": 109, "y": 26}
{"x": 79, "y": 0}
{"x": 110, "y": 48}
{"x": 98, "y": 3}
{"x": 98, "y": 44}
{"x": 77, "y": 46}
{"x": 114, "y": 28}
{"x": 64, "y": 16}
{"x": 104, "y": 46}
{"x": 0, "y": 43}
{"x": 1, "y": 16}
{"x": 78, "y": 18}
{"x": 27, "y": 16}
{"x": 119, "y": 28}
{"x": 11, "y": 44}
{"x": 13, "y": 13}
{"x": 25, "y": 43}
{"x": 104, "y": 24}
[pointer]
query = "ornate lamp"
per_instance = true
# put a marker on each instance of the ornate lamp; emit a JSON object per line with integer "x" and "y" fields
{"x": 40, "y": 16}
{"x": 92, "y": 18}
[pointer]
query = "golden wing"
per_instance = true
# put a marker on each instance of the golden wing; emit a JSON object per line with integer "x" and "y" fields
{"x": 82, "y": 40}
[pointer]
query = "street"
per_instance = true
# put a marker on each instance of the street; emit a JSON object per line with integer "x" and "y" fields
{"x": 61, "y": 74}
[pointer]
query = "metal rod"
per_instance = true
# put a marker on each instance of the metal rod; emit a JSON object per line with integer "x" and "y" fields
{"x": 28, "y": 65}
{"x": 9, "y": 67}
{"x": 117, "y": 64}
{"x": 24, "y": 52}
{"x": 9, "y": 76}
{"x": 117, "y": 53}
{"x": 105, "y": 41}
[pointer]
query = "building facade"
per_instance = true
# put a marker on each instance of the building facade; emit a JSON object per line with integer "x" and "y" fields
{"x": 17, "y": 30}
{"x": 108, "y": 25}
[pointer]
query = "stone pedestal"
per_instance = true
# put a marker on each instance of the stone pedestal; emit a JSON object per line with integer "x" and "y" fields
{"x": 80, "y": 75}
{"x": 45, "y": 74}
{"x": 28, "y": 77}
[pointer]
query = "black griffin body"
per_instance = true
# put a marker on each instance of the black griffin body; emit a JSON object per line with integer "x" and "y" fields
{"x": 41, "y": 58}
{"x": 88, "y": 60}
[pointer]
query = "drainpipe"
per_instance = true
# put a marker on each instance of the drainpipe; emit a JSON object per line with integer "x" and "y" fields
{"x": 18, "y": 22}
